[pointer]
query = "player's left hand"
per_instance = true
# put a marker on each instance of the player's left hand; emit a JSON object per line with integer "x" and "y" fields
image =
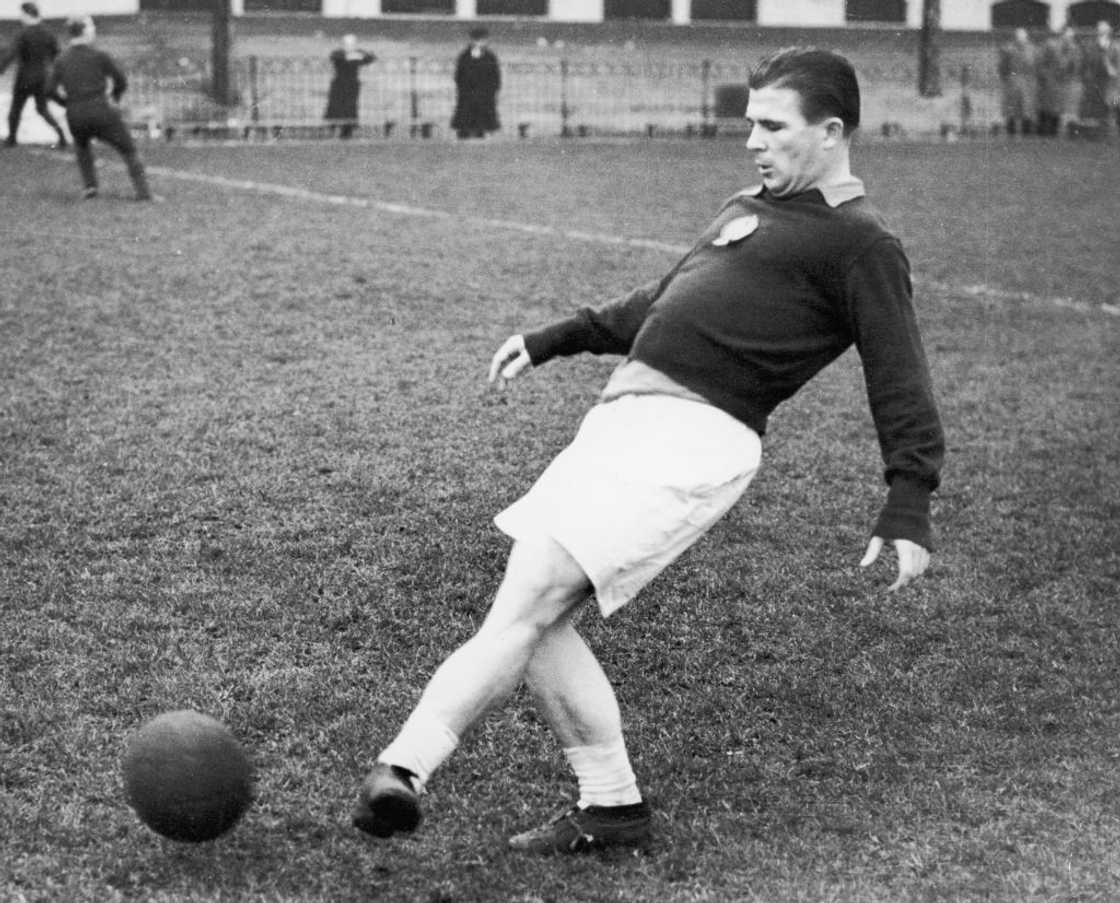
{"x": 913, "y": 559}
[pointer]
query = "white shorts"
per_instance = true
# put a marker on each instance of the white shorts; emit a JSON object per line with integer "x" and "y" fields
{"x": 644, "y": 478}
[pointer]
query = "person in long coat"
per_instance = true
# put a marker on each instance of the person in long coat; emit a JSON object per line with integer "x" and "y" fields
{"x": 342, "y": 96}
{"x": 1018, "y": 73}
{"x": 1101, "y": 74}
{"x": 478, "y": 78}
{"x": 1059, "y": 83}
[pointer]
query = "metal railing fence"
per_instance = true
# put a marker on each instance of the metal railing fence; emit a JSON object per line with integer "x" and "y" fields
{"x": 411, "y": 96}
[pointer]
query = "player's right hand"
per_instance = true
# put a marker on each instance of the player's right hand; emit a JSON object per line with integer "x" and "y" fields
{"x": 510, "y": 359}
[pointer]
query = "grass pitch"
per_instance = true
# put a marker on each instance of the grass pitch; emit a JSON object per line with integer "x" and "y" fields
{"x": 248, "y": 461}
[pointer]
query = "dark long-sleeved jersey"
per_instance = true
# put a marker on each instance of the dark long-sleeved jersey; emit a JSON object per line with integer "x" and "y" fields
{"x": 33, "y": 51}
{"x": 87, "y": 74}
{"x": 744, "y": 321}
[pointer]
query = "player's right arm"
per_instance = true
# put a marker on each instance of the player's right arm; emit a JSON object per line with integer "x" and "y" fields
{"x": 509, "y": 360}
{"x": 610, "y": 329}
{"x": 605, "y": 330}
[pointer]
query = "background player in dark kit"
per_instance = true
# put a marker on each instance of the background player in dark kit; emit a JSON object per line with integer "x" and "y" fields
{"x": 34, "y": 50}
{"x": 83, "y": 76}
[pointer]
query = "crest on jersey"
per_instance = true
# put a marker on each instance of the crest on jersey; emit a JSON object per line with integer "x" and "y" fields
{"x": 736, "y": 230}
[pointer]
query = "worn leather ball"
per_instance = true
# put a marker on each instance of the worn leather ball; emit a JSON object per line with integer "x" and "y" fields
{"x": 187, "y": 777}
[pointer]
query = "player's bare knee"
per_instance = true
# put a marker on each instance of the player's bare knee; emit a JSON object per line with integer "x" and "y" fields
{"x": 533, "y": 605}
{"x": 542, "y": 582}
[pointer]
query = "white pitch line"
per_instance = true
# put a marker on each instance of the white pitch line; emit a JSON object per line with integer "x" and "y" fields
{"x": 602, "y": 238}
{"x": 1002, "y": 294}
{"x": 307, "y": 194}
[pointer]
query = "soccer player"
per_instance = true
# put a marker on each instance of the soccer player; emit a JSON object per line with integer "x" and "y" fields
{"x": 789, "y": 275}
{"x": 85, "y": 78}
{"x": 35, "y": 48}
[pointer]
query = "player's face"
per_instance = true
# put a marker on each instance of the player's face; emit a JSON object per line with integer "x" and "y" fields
{"x": 789, "y": 151}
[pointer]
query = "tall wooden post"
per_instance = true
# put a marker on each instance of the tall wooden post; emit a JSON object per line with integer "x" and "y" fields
{"x": 221, "y": 42}
{"x": 929, "y": 50}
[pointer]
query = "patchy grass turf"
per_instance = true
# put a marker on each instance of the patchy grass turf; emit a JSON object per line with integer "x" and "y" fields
{"x": 248, "y": 461}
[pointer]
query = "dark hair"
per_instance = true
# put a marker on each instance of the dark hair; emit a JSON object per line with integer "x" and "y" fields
{"x": 30, "y": 9}
{"x": 825, "y": 81}
{"x": 76, "y": 25}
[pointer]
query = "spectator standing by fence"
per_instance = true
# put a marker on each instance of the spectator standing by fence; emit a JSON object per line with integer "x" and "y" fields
{"x": 1101, "y": 102}
{"x": 34, "y": 51}
{"x": 346, "y": 85}
{"x": 1018, "y": 73}
{"x": 478, "y": 78}
{"x": 82, "y": 77}
{"x": 1059, "y": 82}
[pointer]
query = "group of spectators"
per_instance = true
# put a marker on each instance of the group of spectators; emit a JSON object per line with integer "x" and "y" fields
{"x": 1049, "y": 87}
{"x": 478, "y": 79}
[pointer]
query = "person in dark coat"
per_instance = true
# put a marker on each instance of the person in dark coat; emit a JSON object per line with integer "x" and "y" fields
{"x": 1018, "y": 73}
{"x": 1101, "y": 99}
{"x": 35, "y": 49}
{"x": 85, "y": 78}
{"x": 1059, "y": 82}
{"x": 477, "y": 82}
{"x": 342, "y": 96}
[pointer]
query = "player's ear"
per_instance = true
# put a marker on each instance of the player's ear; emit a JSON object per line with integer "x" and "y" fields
{"x": 833, "y": 131}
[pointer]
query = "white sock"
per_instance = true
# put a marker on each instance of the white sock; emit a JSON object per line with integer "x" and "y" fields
{"x": 422, "y": 745}
{"x": 604, "y": 774}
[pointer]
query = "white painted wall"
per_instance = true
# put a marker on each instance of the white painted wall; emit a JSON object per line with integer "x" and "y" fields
{"x": 818, "y": 13}
{"x": 576, "y": 10}
{"x": 352, "y": 9}
{"x": 969, "y": 15}
{"x": 956, "y": 15}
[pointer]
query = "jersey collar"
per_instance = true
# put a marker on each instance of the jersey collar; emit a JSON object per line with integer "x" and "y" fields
{"x": 834, "y": 195}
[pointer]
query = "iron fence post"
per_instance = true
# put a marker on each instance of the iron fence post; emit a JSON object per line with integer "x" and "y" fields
{"x": 565, "y": 112}
{"x": 413, "y": 98}
{"x": 254, "y": 90}
{"x": 705, "y": 87}
{"x": 966, "y": 101}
